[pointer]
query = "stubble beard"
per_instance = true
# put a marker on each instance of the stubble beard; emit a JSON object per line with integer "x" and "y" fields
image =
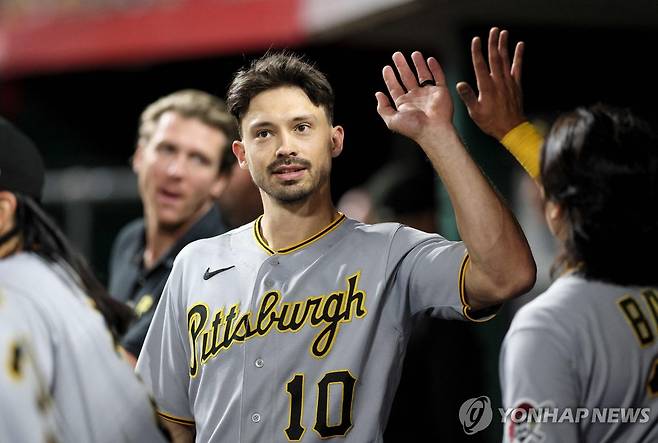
{"x": 292, "y": 192}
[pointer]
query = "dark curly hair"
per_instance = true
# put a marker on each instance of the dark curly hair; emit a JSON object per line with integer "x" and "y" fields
{"x": 274, "y": 70}
{"x": 601, "y": 165}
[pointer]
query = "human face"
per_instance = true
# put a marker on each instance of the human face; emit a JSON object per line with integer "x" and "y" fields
{"x": 178, "y": 170}
{"x": 287, "y": 144}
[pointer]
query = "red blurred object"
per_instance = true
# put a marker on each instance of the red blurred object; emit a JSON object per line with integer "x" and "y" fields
{"x": 151, "y": 32}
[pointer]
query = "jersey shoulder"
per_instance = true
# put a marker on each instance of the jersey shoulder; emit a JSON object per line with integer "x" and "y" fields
{"x": 394, "y": 232}
{"x": 28, "y": 273}
{"x": 564, "y": 306}
{"x": 220, "y": 245}
{"x": 46, "y": 290}
{"x": 370, "y": 232}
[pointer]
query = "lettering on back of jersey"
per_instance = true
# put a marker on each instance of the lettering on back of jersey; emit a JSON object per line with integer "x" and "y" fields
{"x": 636, "y": 317}
{"x": 208, "y": 336}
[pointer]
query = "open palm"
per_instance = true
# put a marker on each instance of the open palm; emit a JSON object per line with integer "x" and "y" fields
{"x": 416, "y": 107}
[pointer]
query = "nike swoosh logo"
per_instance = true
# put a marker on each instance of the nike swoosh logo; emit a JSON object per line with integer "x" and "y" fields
{"x": 208, "y": 274}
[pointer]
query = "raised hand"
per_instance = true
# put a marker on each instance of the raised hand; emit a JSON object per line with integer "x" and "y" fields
{"x": 499, "y": 106}
{"x": 416, "y": 109}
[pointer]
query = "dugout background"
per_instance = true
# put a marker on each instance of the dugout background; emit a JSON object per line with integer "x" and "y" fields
{"x": 83, "y": 117}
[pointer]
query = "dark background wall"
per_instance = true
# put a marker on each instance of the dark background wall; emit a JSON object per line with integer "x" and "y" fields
{"x": 576, "y": 53}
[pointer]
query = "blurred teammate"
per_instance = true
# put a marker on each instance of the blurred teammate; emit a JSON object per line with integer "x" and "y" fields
{"x": 26, "y": 411}
{"x": 295, "y": 326}
{"x": 183, "y": 162}
{"x": 61, "y": 344}
{"x": 589, "y": 341}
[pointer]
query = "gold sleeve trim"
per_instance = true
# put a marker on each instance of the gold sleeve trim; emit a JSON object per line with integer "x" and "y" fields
{"x": 482, "y": 315}
{"x": 175, "y": 419}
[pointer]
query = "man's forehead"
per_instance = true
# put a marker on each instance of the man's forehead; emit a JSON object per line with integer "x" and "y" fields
{"x": 285, "y": 103}
{"x": 189, "y": 133}
{"x": 173, "y": 122}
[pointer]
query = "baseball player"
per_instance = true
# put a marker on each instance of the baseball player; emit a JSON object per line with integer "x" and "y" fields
{"x": 589, "y": 341}
{"x": 31, "y": 416}
{"x": 64, "y": 316}
{"x": 294, "y": 327}
{"x": 581, "y": 357}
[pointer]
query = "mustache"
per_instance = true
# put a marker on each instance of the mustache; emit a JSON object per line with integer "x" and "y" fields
{"x": 288, "y": 161}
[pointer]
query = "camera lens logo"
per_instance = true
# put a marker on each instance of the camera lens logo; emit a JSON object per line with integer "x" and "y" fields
{"x": 475, "y": 414}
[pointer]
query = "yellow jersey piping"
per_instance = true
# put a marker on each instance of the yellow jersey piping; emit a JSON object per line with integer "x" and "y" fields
{"x": 175, "y": 419}
{"x": 261, "y": 241}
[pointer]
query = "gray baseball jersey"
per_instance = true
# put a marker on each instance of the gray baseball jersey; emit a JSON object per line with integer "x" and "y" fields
{"x": 26, "y": 412}
{"x": 588, "y": 345}
{"x": 301, "y": 344}
{"x": 97, "y": 397}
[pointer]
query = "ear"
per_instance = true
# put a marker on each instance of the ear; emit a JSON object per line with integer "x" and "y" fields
{"x": 337, "y": 137}
{"x": 238, "y": 150}
{"x": 7, "y": 211}
{"x": 554, "y": 214}
{"x": 136, "y": 160}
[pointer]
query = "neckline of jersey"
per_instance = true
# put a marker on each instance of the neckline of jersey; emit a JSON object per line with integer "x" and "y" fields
{"x": 326, "y": 230}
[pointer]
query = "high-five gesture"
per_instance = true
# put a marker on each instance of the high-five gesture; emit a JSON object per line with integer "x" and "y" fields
{"x": 422, "y": 100}
{"x": 499, "y": 106}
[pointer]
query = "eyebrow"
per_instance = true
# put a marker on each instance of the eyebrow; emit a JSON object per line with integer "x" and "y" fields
{"x": 261, "y": 123}
{"x": 304, "y": 117}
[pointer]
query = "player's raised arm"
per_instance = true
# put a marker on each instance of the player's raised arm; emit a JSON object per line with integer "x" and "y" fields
{"x": 498, "y": 107}
{"x": 501, "y": 264}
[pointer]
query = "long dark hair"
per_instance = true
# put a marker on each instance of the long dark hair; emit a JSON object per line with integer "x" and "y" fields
{"x": 600, "y": 164}
{"x": 40, "y": 235}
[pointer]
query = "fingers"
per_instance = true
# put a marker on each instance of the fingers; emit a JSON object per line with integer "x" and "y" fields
{"x": 384, "y": 107}
{"x": 517, "y": 63}
{"x": 406, "y": 75}
{"x": 392, "y": 84}
{"x": 467, "y": 95}
{"x": 495, "y": 62}
{"x": 421, "y": 67}
{"x": 437, "y": 71}
{"x": 480, "y": 66}
{"x": 504, "y": 53}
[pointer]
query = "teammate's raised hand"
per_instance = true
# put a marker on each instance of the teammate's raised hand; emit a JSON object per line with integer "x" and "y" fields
{"x": 420, "y": 101}
{"x": 499, "y": 106}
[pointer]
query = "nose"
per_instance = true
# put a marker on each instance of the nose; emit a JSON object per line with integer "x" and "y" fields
{"x": 286, "y": 147}
{"x": 176, "y": 166}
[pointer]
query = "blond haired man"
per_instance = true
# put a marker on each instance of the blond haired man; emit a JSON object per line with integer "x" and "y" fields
{"x": 182, "y": 162}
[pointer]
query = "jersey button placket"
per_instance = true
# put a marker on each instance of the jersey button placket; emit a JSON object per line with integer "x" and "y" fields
{"x": 258, "y": 391}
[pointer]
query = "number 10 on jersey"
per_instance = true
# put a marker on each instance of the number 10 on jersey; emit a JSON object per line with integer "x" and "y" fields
{"x": 322, "y": 426}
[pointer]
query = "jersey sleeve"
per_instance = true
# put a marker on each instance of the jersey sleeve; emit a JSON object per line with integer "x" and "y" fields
{"x": 38, "y": 326}
{"x": 536, "y": 372}
{"x": 430, "y": 271}
{"x": 163, "y": 361}
{"x": 30, "y": 416}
